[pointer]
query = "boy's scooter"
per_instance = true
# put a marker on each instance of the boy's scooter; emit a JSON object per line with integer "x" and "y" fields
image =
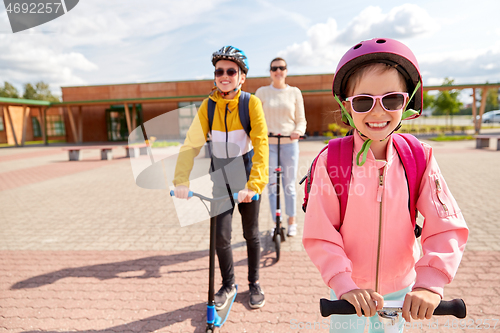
{"x": 279, "y": 231}
{"x": 215, "y": 318}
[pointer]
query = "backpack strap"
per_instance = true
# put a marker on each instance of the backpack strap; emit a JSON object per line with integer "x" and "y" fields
{"x": 244, "y": 111}
{"x": 412, "y": 157}
{"x": 210, "y": 113}
{"x": 339, "y": 165}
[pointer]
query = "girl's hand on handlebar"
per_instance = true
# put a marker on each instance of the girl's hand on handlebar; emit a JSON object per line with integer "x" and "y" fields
{"x": 245, "y": 195}
{"x": 182, "y": 192}
{"x": 420, "y": 304}
{"x": 364, "y": 299}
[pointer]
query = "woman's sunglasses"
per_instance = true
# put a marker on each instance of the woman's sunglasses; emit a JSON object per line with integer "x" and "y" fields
{"x": 275, "y": 68}
{"x": 230, "y": 72}
{"x": 391, "y": 102}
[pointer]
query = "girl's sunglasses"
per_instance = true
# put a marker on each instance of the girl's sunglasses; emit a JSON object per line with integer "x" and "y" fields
{"x": 275, "y": 68}
{"x": 391, "y": 102}
{"x": 230, "y": 72}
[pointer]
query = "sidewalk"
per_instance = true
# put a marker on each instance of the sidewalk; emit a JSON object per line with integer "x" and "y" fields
{"x": 83, "y": 249}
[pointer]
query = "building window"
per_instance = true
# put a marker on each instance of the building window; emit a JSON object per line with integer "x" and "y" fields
{"x": 2, "y": 128}
{"x": 187, "y": 112}
{"x": 55, "y": 125}
{"x": 116, "y": 121}
{"x": 37, "y": 130}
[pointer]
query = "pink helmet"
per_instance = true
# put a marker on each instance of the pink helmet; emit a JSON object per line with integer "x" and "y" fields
{"x": 382, "y": 50}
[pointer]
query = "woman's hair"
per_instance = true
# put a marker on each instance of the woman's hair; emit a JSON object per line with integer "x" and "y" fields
{"x": 277, "y": 59}
{"x": 376, "y": 67}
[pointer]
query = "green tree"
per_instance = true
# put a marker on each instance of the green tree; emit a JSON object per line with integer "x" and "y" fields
{"x": 447, "y": 102}
{"x": 428, "y": 100}
{"x": 492, "y": 100}
{"x": 41, "y": 91}
{"x": 8, "y": 90}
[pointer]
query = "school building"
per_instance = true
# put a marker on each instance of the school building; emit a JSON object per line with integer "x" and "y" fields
{"x": 108, "y": 113}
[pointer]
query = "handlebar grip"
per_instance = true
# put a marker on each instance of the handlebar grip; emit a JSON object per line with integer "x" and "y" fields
{"x": 255, "y": 197}
{"x": 341, "y": 307}
{"x": 455, "y": 307}
{"x": 172, "y": 193}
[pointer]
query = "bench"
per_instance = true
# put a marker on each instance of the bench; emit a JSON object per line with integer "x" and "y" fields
{"x": 134, "y": 151}
{"x": 74, "y": 152}
{"x": 483, "y": 141}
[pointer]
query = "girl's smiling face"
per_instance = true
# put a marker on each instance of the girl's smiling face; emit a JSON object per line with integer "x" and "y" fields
{"x": 378, "y": 123}
{"x": 225, "y": 82}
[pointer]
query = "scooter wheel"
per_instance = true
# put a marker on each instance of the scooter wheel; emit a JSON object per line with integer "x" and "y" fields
{"x": 277, "y": 242}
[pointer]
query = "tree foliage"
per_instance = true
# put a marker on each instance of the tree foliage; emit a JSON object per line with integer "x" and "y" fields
{"x": 492, "y": 100}
{"x": 428, "y": 100}
{"x": 447, "y": 102}
{"x": 40, "y": 91}
{"x": 8, "y": 90}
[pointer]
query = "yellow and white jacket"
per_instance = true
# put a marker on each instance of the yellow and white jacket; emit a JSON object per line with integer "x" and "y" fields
{"x": 227, "y": 128}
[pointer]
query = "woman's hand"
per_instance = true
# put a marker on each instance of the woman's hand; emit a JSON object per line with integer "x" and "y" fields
{"x": 245, "y": 195}
{"x": 294, "y": 136}
{"x": 364, "y": 299}
{"x": 182, "y": 192}
{"x": 420, "y": 304}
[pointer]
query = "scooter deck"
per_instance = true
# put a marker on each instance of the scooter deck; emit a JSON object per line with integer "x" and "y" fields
{"x": 222, "y": 314}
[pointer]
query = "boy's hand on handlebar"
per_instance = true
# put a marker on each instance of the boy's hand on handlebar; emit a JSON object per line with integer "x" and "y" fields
{"x": 245, "y": 195}
{"x": 364, "y": 299}
{"x": 182, "y": 192}
{"x": 294, "y": 136}
{"x": 420, "y": 304}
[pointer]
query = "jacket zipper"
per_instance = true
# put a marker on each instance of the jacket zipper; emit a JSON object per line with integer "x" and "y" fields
{"x": 379, "y": 199}
{"x": 439, "y": 189}
{"x": 227, "y": 134}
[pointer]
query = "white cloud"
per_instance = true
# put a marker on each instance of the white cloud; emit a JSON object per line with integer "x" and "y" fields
{"x": 467, "y": 66}
{"x": 103, "y": 37}
{"x": 326, "y": 43}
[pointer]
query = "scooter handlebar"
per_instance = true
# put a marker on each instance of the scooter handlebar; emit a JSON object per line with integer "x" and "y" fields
{"x": 235, "y": 195}
{"x": 255, "y": 197}
{"x": 454, "y": 307}
{"x": 272, "y": 135}
{"x": 172, "y": 193}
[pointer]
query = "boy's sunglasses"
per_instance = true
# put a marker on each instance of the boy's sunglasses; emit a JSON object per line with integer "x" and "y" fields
{"x": 230, "y": 72}
{"x": 275, "y": 68}
{"x": 391, "y": 102}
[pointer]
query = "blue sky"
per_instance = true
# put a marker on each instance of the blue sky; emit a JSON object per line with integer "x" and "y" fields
{"x": 128, "y": 41}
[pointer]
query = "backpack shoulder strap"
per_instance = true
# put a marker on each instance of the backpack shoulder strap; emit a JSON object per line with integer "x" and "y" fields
{"x": 210, "y": 113}
{"x": 339, "y": 165}
{"x": 244, "y": 111}
{"x": 412, "y": 157}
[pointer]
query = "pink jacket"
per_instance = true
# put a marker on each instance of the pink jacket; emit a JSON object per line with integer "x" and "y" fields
{"x": 376, "y": 247}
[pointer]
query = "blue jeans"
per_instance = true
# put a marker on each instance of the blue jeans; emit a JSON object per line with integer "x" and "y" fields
{"x": 355, "y": 324}
{"x": 289, "y": 160}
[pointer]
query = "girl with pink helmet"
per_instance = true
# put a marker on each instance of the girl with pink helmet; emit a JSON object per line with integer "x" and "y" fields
{"x": 366, "y": 249}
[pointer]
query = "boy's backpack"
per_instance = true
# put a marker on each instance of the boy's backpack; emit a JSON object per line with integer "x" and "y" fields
{"x": 243, "y": 110}
{"x": 410, "y": 152}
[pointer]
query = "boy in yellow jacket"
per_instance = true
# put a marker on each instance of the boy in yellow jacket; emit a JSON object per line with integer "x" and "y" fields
{"x": 231, "y": 67}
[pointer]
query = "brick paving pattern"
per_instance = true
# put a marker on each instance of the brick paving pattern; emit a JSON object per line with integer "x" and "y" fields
{"x": 83, "y": 249}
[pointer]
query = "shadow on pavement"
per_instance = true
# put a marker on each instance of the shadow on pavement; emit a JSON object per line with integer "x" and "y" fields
{"x": 119, "y": 270}
{"x": 150, "y": 265}
{"x": 194, "y": 312}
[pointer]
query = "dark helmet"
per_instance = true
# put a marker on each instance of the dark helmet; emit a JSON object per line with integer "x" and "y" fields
{"x": 232, "y": 54}
{"x": 383, "y": 50}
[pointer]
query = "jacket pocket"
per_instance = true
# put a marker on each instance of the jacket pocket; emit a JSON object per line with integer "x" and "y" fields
{"x": 443, "y": 200}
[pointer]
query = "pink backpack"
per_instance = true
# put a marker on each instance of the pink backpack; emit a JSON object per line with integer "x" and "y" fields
{"x": 340, "y": 150}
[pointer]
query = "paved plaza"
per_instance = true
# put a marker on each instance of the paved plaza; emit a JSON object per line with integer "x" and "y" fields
{"x": 83, "y": 249}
